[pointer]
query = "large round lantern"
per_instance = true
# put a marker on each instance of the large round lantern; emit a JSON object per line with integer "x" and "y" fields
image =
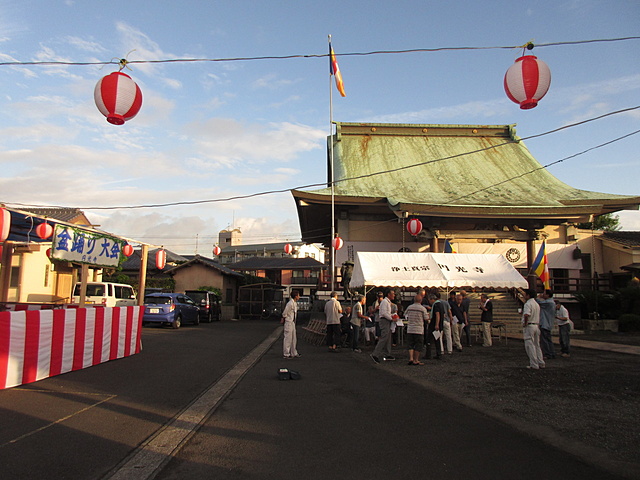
{"x": 44, "y": 230}
{"x": 118, "y": 97}
{"x": 161, "y": 259}
{"x": 527, "y": 81}
{"x": 414, "y": 226}
{"x": 217, "y": 250}
{"x": 5, "y": 224}
{"x": 288, "y": 249}
{"x": 337, "y": 243}
{"x": 127, "y": 250}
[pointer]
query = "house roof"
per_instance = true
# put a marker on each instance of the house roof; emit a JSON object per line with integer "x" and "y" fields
{"x": 133, "y": 262}
{"x": 207, "y": 262}
{"x": 277, "y": 263}
{"x": 452, "y": 170}
{"x": 69, "y": 215}
{"x": 627, "y": 239}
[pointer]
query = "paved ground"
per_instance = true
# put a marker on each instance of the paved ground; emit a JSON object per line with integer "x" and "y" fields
{"x": 351, "y": 418}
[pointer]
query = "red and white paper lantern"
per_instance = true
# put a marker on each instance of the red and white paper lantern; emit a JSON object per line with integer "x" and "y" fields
{"x": 288, "y": 249}
{"x": 337, "y": 243}
{"x": 118, "y": 97}
{"x": 161, "y": 259}
{"x": 414, "y": 226}
{"x": 527, "y": 81}
{"x": 5, "y": 224}
{"x": 44, "y": 230}
{"x": 127, "y": 250}
{"x": 217, "y": 250}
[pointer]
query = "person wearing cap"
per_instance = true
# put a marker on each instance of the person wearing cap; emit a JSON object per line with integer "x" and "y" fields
{"x": 531, "y": 330}
{"x": 289, "y": 314}
{"x": 383, "y": 348}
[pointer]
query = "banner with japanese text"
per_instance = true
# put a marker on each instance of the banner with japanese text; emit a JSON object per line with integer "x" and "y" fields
{"x": 73, "y": 244}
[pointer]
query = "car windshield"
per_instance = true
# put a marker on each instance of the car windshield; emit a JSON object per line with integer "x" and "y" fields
{"x": 92, "y": 290}
{"x": 197, "y": 296}
{"x": 157, "y": 300}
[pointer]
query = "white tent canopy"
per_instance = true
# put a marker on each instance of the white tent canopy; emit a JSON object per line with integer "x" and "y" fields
{"x": 390, "y": 269}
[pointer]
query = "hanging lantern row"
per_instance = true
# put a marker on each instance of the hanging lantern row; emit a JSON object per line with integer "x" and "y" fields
{"x": 217, "y": 250}
{"x": 414, "y": 226}
{"x": 161, "y": 259}
{"x": 337, "y": 243}
{"x": 118, "y": 97}
{"x": 288, "y": 249}
{"x": 5, "y": 224}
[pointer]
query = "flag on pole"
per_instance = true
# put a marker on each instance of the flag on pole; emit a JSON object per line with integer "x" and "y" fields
{"x": 334, "y": 69}
{"x": 448, "y": 248}
{"x": 541, "y": 266}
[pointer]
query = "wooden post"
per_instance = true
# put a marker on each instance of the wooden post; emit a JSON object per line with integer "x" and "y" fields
{"x": 142, "y": 274}
{"x": 434, "y": 245}
{"x": 84, "y": 273}
{"x": 531, "y": 255}
{"x": 5, "y": 272}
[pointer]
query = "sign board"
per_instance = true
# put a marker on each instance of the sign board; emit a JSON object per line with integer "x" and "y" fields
{"x": 73, "y": 244}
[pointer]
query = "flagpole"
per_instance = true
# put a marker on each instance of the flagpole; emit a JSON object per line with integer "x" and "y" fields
{"x": 333, "y": 222}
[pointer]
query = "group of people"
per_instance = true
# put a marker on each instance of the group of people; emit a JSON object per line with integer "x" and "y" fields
{"x": 539, "y": 314}
{"x": 432, "y": 323}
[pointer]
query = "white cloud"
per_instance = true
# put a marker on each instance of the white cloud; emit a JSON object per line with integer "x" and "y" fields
{"x": 85, "y": 45}
{"x": 489, "y": 108}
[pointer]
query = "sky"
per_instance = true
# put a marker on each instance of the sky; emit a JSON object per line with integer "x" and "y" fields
{"x": 221, "y": 129}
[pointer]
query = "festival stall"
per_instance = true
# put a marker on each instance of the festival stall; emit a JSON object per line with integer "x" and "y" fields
{"x": 442, "y": 270}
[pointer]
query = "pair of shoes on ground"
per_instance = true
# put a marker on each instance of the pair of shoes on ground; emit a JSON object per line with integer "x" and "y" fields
{"x": 414, "y": 363}
{"x": 292, "y": 356}
{"x": 565, "y": 355}
{"x": 357, "y": 350}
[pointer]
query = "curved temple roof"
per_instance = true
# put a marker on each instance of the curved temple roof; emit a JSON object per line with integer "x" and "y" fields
{"x": 453, "y": 170}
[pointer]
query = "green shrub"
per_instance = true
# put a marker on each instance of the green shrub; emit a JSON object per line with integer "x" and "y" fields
{"x": 629, "y": 322}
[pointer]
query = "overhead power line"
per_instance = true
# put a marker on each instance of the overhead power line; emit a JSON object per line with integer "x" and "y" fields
{"x": 123, "y": 62}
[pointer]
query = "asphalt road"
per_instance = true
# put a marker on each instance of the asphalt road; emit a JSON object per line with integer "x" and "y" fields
{"x": 346, "y": 418}
{"x": 82, "y": 424}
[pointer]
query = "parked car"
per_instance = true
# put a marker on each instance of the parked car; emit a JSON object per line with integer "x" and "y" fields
{"x": 209, "y": 304}
{"x": 107, "y": 294}
{"x": 170, "y": 309}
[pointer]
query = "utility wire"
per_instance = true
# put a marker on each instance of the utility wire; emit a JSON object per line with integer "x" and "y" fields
{"x": 121, "y": 62}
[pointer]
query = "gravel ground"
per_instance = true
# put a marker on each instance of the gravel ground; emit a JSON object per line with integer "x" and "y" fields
{"x": 590, "y": 399}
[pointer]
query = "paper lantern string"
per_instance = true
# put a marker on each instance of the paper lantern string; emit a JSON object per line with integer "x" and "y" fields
{"x": 124, "y": 62}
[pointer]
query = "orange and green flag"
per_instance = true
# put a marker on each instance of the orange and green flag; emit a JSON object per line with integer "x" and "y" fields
{"x": 334, "y": 69}
{"x": 541, "y": 266}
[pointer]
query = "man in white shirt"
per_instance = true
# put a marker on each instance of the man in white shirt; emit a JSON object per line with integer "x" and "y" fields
{"x": 386, "y": 318}
{"x": 564, "y": 327}
{"x": 332, "y": 312}
{"x": 289, "y": 318}
{"x": 531, "y": 330}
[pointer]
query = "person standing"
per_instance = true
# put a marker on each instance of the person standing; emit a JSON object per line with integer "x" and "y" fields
{"x": 459, "y": 320}
{"x": 416, "y": 316}
{"x": 547, "y": 318}
{"x": 357, "y": 317}
{"x": 446, "y": 327}
{"x": 486, "y": 318}
{"x": 466, "y": 304}
{"x": 435, "y": 325}
{"x": 564, "y": 328}
{"x": 332, "y": 312}
{"x": 531, "y": 330}
{"x": 383, "y": 347}
{"x": 289, "y": 319}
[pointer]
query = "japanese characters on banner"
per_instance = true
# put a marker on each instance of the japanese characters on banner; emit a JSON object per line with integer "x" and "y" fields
{"x": 82, "y": 246}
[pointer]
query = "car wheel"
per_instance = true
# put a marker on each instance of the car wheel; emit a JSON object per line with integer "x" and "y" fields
{"x": 197, "y": 319}
{"x": 209, "y": 317}
{"x": 219, "y": 316}
{"x": 177, "y": 322}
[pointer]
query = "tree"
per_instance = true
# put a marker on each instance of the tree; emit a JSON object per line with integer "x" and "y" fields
{"x": 607, "y": 222}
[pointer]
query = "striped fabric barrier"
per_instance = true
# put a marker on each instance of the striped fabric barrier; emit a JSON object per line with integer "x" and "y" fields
{"x": 36, "y": 344}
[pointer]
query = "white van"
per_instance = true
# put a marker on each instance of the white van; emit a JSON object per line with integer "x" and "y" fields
{"x": 107, "y": 294}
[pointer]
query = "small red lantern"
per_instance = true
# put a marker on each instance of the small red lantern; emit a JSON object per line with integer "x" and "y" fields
{"x": 127, "y": 250}
{"x": 118, "y": 97}
{"x": 5, "y": 224}
{"x": 217, "y": 250}
{"x": 161, "y": 259}
{"x": 527, "y": 81}
{"x": 48, "y": 253}
{"x": 337, "y": 243}
{"x": 288, "y": 249}
{"x": 414, "y": 226}
{"x": 44, "y": 230}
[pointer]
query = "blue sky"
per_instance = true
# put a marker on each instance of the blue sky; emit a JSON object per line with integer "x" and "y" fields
{"x": 212, "y": 130}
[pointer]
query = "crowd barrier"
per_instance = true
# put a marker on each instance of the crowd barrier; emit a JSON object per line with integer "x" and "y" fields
{"x": 36, "y": 344}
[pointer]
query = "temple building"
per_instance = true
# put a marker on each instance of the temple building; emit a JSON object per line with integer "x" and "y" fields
{"x": 473, "y": 186}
